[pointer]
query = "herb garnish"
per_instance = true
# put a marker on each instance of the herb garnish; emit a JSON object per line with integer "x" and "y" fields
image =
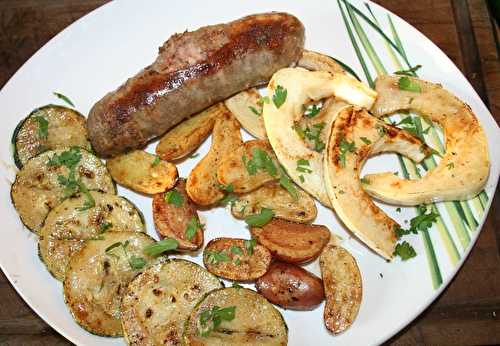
{"x": 156, "y": 161}
{"x": 43, "y": 127}
{"x": 249, "y": 245}
{"x": 174, "y": 197}
{"x": 365, "y": 140}
{"x": 134, "y": 262}
{"x": 210, "y": 320}
{"x": 365, "y": 181}
{"x": 236, "y": 285}
{"x": 405, "y": 251}
{"x": 450, "y": 165}
{"x": 255, "y": 110}
{"x": 344, "y": 148}
{"x": 410, "y": 71}
{"x": 69, "y": 158}
{"x": 264, "y": 99}
{"x": 64, "y": 98}
{"x": 312, "y": 111}
{"x": 229, "y": 198}
{"x": 156, "y": 249}
{"x": 287, "y": 184}
{"x": 406, "y": 84}
{"x": 279, "y": 96}
{"x": 303, "y": 166}
{"x": 259, "y": 220}
{"x": 215, "y": 257}
{"x": 193, "y": 226}
{"x": 236, "y": 250}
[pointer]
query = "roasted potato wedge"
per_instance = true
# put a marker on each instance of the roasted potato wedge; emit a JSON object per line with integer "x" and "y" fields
{"x": 274, "y": 196}
{"x": 67, "y": 227}
{"x": 291, "y": 287}
{"x": 232, "y": 170}
{"x": 292, "y": 242}
{"x": 175, "y": 216}
{"x": 97, "y": 276}
{"x": 246, "y": 107}
{"x": 236, "y": 259}
{"x": 202, "y": 185}
{"x": 343, "y": 288}
{"x": 188, "y": 135}
{"x": 158, "y": 302}
{"x": 140, "y": 171}
{"x": 256, "y": 321}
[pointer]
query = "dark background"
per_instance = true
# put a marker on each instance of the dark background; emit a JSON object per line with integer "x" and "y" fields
{"x": 468, "y": 312}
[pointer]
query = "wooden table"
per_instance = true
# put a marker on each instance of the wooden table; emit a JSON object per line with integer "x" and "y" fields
{"x": 467, "y": 313}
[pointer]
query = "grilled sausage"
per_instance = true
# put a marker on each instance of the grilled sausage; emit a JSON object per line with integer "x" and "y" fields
{"x": 193, "y": 70}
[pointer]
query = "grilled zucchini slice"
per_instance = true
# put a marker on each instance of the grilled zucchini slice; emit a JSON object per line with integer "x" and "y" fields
{"x": 47, "y": 179}
{"x": 67, "y": 227}
{"x": 97, "y": 276}
{"x": 158, "y": 302}
{"x": 255, "y": 322}
{"x": 47, "y": 128}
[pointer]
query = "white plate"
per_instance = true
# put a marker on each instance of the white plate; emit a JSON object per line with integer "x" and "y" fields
{"x": 99, "y": 51}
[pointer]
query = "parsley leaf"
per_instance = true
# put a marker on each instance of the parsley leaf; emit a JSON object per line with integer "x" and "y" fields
{"x": 90, "y": 202}
{"x": 156, "y": 161}
{"x": 210, "y": 320}
{"x": 236, "y": 250}
{"x": 69, "y": 158}
{"x": 105, "y": 226}
{"x": 174, "y": 197}
{"x": 264, "y": 99}
{"x": 406, "y": 84}
{"x": 263, "y": 161}
{"x": 136, "y": 263}
{"x": 450, "y": 165}
{"x": 344, "y": 148}
{"x": 312, "y": 111}
{"x": 156, "y": 249}
{"x": 279, "y": 96}
{"x": 249, "y": 165}
{"x": 302, "y": 166}
{"x": 255, "y": 110}
{"x": 43, "y": 127}
{"x": 192, "y": 226}
{"x": 259, "y": 220}
{"x": 64, "y": 98}
{"x": 249, "y": 245}
{"x": 405, "y": 251}
{"x": 215, "y": 257}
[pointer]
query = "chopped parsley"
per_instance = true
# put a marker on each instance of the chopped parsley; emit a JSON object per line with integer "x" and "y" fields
{"x": 174, "y": 197}
{"x": 249, "y": 245}
{"x": 259, "y": 220}
{"x": 303, "y": 166}
{"x": 263, "y": 161}
{"x": 287, "y": 184}
{"x": 381, "y": 130}
{"x": 249, "y": 165}
{"x": 211, "y": 319}
{"x": 237, "y": 262}
{"x": 64, "y": 98}
{"x": 43, "y": 127}
{"x": 406, "y": 84}
{"x": 156, "y": 161}
{"x": 312, "y": 111}
{"x": 192, "y": 226}
{"x": 105, "y": 226}
{"x": 90, "y": 202}
{"x": 344, "y": 148}
{"x": 69, "y": 158}
{"x": 228, "y": 199}
{"x": 365, "y": 140}
{"x": 236, "y": 250}
{"x": 134, "y": 262}
{"x": 255, "y": 110}
{"x": 215, "y": 257}
{"x": 398, "y": 210}
{"x": 156, "y": 249}
{"x": 264, "y": 99}
{"x": 405, "y": 251}
{"x": 301, "y": 178}
{"x": 236, "y": 285}
{"x": 450, "y": 165}
{"x": 409, "y": 72}
{"x": 279, "y": 96}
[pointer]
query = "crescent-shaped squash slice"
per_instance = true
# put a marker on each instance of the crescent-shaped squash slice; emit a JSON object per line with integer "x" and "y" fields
{"x": 301, "y": 87}
{"x": 464, "y": 168}
{"x": 355, "y": 136}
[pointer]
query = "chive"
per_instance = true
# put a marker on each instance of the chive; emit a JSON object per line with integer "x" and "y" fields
{"x": 64, "y": 98}
{"x": 156, "y": 161}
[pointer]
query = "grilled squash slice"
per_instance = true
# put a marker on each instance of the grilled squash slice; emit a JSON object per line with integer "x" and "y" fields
{"x": 232, "y": 170}
{"x": 47, "y": 128}
{"x": 202, "y": 185}
{"x": 97, "y": 276}
{"x": 255, "y": 322}
{"x": 343, "y": 287}
{"x": 157, "y": 302}
{"x": 47, "y": 179}
{"x": 464, "y": 168}
{"x": 175, "y": 216}
{"x": 141, "y": 172}
{"x": 287, "y": 140}
{"x": 231, "y": 259}
{"x": 183, "y": 139}
{"x": 356, "y": 135}
{"x": 274, "y": 196}
{"x": 67, "y": 227}
{"x": 247, "y": 108}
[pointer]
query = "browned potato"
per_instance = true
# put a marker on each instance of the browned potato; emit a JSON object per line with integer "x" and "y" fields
{"x": 275, "y": 197}
{"x": 292, "y": 242}
{"x": 202, "y": 185}
{"x": 188, "y": 135}
{"x": 246, "y": 107}
{"x": 140, "y": 171}
{"x": 232, "y": 169}
{"x": 291, "y": 287}
{"x": 175, "y": 216}
{"x": 343, "y": 288}
{"x": 236, "y": 259}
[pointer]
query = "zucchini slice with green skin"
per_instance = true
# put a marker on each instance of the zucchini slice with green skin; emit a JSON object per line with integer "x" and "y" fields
{"x": 47, "y": 128}
{"x": 67, "y": 227}
{"x": 97, "y": 276}
{"x": 256, "y": 321}
{"x": 43, "y": 183}
{"x": 158, "y": 302}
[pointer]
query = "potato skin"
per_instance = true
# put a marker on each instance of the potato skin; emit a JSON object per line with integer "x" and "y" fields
{"x": 291, "y": 287}
{"x": 172, "y": 221}
{"x": 292, "y": 242}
